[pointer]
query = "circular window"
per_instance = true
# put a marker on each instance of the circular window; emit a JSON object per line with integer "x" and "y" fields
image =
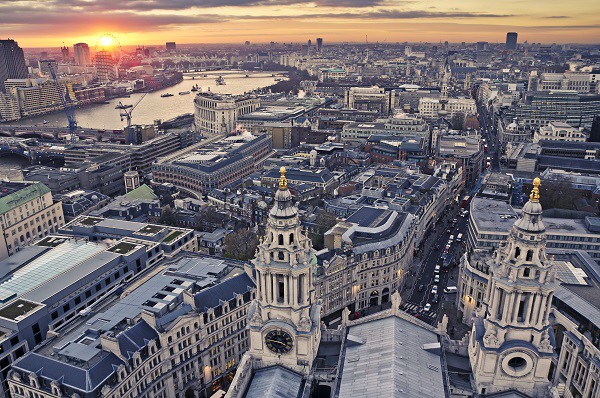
{"x": 517, "y": 363}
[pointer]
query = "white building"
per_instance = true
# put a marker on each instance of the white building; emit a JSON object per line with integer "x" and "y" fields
{"x": 218, "y": 113}
{"x": 430, "y": 108}
{"x": 559, "y": 131}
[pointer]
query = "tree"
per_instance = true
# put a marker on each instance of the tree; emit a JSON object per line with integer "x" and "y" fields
{"x": 240, "y": 245}
{"x": 324, "y": 222}
{"x": 168, "y": 217}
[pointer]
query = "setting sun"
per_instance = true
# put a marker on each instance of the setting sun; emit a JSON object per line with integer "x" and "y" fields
{"x": 106, "y": 41}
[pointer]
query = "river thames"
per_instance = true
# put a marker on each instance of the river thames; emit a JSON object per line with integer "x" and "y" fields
{"x": 153, "y": 106}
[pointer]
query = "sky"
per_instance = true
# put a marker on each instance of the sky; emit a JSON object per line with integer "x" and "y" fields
{"x": 50, "y": 23}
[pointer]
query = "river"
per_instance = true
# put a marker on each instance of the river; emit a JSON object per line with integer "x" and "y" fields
{"x": 153, "y": 106}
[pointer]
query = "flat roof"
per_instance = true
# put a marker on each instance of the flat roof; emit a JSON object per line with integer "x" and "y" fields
{"x": 492, "y": 215}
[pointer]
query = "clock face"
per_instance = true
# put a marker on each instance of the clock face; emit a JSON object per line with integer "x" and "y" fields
{"x": 279, "y": 341}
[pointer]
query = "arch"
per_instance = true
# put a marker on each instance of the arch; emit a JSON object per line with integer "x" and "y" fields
{"x": 292, "y": 238}
{"x": 529, "y": 256}
{"x": 517, "y": 251}
{"x": 374, "y": 298}
{"x": 280, "y": 239}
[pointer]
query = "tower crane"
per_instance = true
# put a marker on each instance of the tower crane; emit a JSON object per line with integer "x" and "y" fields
{"x": 67, "y": 104}
{"x": 126, "y": 111}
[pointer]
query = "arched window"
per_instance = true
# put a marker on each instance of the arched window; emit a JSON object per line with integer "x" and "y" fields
{"x": 526, "y": 272}
{"x": 280, "y": 255}
{"x": 291, "y": 238}
{"x": 280, "y": 239}
{"x": 517, "y": 252}
{"x": 529, "y": 255}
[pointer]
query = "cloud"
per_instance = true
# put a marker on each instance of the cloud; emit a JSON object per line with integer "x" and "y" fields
{"x": 556, "y": 17}
{"x": 382, "y": 14}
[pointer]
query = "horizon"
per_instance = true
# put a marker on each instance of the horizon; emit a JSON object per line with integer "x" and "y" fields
{"x": 53, "y": 23}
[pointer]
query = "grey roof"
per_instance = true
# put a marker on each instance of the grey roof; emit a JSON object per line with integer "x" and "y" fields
{"x": 583, "y": 307}
{"x": 392, "y": 362}
{"x": 275, "y": 382}
{"x": 224, "y": 291}
{"x": 135, "y": 338}
{"x": 85, "y": 380}
{"x": 368, "y": 216}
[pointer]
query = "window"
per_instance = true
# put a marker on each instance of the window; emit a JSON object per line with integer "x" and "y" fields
{"x": 529, "y": 256}
{"x": 280, "y": 239}
{"x": 517, "y": 252}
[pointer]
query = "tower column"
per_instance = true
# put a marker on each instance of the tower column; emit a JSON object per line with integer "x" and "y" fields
{"x": 507, "y": 306}
{"x": 541, "y": 310}
{"x": 495, "y": 302}
{"x": 530, "y": 303}
{"x": 516, "y": 304}
{"x": 548, "y": 307}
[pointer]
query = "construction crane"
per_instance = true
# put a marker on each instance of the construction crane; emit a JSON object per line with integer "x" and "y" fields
{"x": 126, "y": 111}
{"x": 67, "y": 104}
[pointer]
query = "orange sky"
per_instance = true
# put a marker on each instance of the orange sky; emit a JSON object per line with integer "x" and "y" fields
{"x": 47, "y": 23}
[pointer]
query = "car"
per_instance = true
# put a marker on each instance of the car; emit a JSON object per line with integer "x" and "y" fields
{"x": 436, "y": 278}
{"x": 435, "y": 298}
{"x": 427, "y": 307}
{"x": 421, "y": 288}
{"x": 437, "y": 269}
{"x": 434, "y": 289}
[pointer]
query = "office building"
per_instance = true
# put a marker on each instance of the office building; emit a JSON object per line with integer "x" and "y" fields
{"x": 319, "y": 44}
{"x": 106, "y": 69}
{"x": 12, "y": 62}
{"x": 35, "y": 96}
{"x": 511, "y": 41}
{"x": 82, "y": 54}
{"x": 180, "y": 330}
{"x": 213, "y": 163}
{"x": 490, "y": 221}
{"x": 171, "y": 46}
{"x": 401, "y": 125}
{"x": 482, "y": 46}
{"x": 218, "y": 113}
{"x": 64, "y": 51}
{"x": 466, "y": 150}
{"x": 450, "y": 108}
{"x": 559, "y": 131}
{"x": 27, "y": 213}
{"x": 370, "y": 99}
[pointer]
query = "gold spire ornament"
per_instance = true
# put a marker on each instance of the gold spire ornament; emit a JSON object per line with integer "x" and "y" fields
{"x": 535, "y": 192}
{"x": 282, "y": 180}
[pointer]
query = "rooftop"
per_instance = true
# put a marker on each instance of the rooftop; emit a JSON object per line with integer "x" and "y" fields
{"x": 392, "y": 357}
{"x": 13, "y": 194}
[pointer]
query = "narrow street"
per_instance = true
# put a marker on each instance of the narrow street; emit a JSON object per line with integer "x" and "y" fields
{"x": 421, "y": 289}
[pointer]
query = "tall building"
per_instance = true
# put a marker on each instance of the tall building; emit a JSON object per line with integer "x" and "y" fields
{"x": 482, "y": 45}
{"x": 511, "y": 345}
{"x": 319, "y": 44}
{"x": 105, "y": 66}
{"x": 511, "y": 40}
{"x": 82, "y": 54}
{"x": 12, "y": 62}
{"x": 217, "y": 113}
{"x": 171, "y": 46}
{"x": 284, "y": 319}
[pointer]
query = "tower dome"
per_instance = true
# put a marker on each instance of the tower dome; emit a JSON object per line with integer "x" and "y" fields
{"x": 284, "y": 207}
{"x": 531, "y": 220}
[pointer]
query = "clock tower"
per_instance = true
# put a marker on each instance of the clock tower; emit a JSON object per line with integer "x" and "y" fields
{"x": 511, "y": 343}
{"x": 284, "y": 319}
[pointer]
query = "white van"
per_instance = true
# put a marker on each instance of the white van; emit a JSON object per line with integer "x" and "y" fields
{"x": 459, "y": 238}
{"x": 450, "y": 289}
{"x": 451, "y": 239}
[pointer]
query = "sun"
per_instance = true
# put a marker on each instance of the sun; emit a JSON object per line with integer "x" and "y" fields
{"x": 106, "y": 41}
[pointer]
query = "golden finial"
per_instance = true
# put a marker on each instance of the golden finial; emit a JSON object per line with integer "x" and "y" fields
{"x": 535, "y": 192}
{"x": 282, "y": 180}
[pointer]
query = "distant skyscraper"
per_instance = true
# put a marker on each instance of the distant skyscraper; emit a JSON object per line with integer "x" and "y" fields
{"x": 309, "y": 42}
{"x": 171, "y": 46}
{"x": 319, "y": 44}
{"x": 65, "y": 54}
{"x": 12, "y": 62}
{"x": 82, "y": 54}
{"x": 511, "y": 40}
{"x": 482, "y": 45}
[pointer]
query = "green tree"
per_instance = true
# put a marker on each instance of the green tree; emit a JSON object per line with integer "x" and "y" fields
{"x": 168, "y": 217}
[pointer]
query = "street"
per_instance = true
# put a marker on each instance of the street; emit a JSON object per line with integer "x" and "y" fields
{"x": 430, "y": 258}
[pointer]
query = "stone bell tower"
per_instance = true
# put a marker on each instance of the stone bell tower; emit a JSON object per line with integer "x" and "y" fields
{"x": 284, "y": 318}
{"x": 511, "y": 343}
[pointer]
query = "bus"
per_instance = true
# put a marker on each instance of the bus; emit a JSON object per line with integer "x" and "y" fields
{"x": 465, "y": 202}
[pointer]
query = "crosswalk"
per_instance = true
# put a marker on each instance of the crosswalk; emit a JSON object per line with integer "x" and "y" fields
{"x": 415, "y": 308}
